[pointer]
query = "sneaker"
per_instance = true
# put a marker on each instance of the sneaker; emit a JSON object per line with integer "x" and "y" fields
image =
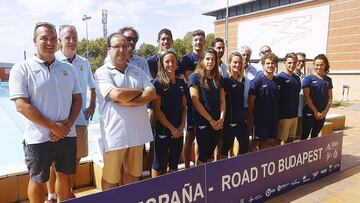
{"x": 51, "y": 201}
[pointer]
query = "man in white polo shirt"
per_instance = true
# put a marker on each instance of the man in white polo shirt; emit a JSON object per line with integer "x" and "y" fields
{"x": 123, "y": 91}
{"x": 47, "y": 92}
{"x": 68, "y": 39}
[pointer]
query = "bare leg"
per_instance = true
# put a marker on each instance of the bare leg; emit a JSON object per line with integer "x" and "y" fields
{"x": 62, "y": 186}
{"x": 36, "y": 192}
{"x": 106, "y": 185}
{"x": 155, "y": 173}
{"x": 50, "y": 184}
{"x": 189, "y": 139}
{"x": 128, "y": 178}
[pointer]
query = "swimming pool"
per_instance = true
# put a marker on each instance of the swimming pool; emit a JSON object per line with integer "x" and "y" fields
{"x": 11, "y": 130}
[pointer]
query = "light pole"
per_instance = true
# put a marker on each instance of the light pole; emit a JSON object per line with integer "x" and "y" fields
{"x": 227, "y": 30}
{"x": 86, "y": 18}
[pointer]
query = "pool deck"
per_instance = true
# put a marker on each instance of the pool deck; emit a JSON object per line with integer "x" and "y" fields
{"x": 343, "y": 186}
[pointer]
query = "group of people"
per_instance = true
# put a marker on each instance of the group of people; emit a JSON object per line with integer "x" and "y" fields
{"x": 157, "y": 100}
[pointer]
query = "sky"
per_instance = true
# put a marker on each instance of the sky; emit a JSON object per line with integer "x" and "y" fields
{"x": 148, "y": 17}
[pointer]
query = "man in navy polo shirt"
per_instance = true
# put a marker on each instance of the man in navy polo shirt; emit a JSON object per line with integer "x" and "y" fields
{"x": 188, "y": 64}
{"x": 165, "y": 40}
{"x": 290, "y": 86}
{"x": 263, "y": 111}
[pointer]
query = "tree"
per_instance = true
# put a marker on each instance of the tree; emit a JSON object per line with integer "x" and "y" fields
{"x": 97, "y": 51}
{"x": 146, "y": 50}
{"x": 209, "y": 38}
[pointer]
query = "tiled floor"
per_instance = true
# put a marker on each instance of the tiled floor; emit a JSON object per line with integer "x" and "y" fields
{"x": 343, "y": 186}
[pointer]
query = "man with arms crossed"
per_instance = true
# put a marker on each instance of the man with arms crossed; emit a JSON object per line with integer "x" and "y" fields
{"x": 47, "y": 92}
{"x": 123, "y": 91}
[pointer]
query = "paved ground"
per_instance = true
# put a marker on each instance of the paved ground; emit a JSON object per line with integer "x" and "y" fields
{"x": 343, "y": 186}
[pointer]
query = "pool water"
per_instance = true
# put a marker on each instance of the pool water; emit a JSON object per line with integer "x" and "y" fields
{"x": 11, "y": 130}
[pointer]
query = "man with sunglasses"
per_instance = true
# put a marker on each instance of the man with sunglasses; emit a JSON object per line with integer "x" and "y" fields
{"x": 47, "y": 92}
{"x": 132, "y": 37}
{"x": 265, "y": 49}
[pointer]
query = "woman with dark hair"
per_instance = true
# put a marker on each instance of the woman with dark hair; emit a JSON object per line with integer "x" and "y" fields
{"x": 235, "y": 124}
{"x": 208, "y": 98}
{"x": 317, "y": 89}
{"x": 170, "y": 112}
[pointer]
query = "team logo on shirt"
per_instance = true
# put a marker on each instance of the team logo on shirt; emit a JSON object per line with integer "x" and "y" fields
{"x": 162, "y": 136}
{"x": 314, "y": 82}
{"x": 65, "y": 73}
{"x": 81, "y": 67}
{"x": 36, "y": 71}
{"x": 264, "y": 86}
{"x": 234, "y": 85}
{"x": 287, "y": 81}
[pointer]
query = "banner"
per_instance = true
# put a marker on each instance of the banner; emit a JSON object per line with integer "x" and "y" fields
{"x": 253, "y": 177}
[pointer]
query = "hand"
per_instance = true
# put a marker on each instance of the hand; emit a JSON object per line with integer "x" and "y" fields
{"x": 318, "y": 115}
{"x": 179, "y": 132}
{"x": 54, "y": 138}
{"x": 213, "y": 124}
{"x": 89, "y": 112}
{"x": 60, "y": 128}
{"x": 219, "y": 124}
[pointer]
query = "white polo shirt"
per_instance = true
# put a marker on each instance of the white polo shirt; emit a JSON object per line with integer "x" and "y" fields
{"x": 86, "y": 81}
{"x": 250, "y": 73}
{"x": 122, "y": 127}
{"x": 49, "y": 90}
{"x": 136, "y": 61}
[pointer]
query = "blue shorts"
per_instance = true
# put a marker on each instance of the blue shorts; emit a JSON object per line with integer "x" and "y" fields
{"x": 264, "y": 132}
{"x": 207, "y": 139}
{"x": 167, "y": 149}
{"x": 39, "y": 157}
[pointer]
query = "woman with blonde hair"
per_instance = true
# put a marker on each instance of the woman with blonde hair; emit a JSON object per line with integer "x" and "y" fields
{"x": 235, "y": 119}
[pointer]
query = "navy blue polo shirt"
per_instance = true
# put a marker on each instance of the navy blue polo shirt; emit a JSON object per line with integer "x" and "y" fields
{"x": 171, "y": 103}
{"x": 235, "y": 112}
{"x": 290, "y": 87}
{"x": 210, "y": 99}
{"x": 153, "y": 62}
{"x": 266, "y": 109}
{"x": 318, "y": 91}
{"x": 189, "y": 62}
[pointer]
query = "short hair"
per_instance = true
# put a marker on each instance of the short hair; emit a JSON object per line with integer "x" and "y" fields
{"x": 301, "y": 54}
{"x": 270, "y": 56}
{"x": 62, "y": 27}
{"x": 198, "y": 33}
{"x": 216, "y": 40}
{"x": 245, "y": 48}
{"x": 43, "y": 24}
{"x": 325, "y": 59}
{"x": 165, "y": 31}
{"x": 262, "y": 47}
{"x": 112, "y": 35}
{"x": 126, "y": 28}
{"x": 291, "y": 55}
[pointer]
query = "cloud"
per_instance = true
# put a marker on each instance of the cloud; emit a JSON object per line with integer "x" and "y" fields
{"x": 147, "y": 16}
